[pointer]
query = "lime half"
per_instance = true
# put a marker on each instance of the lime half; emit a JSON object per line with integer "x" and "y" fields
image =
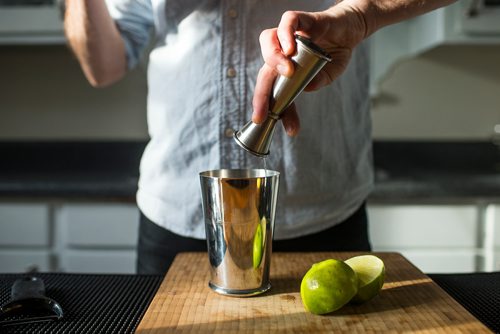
{"x": 371, "y": 274}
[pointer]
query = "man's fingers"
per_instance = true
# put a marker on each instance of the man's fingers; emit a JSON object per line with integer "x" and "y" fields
{"x": 332, "y": 70}
{"x": 272, "y": 53}
{"x": 292, "y": 22}
{"x": 262, "y": 94}
{"x": 291, "y": 121}
{"x": 286, "y": 31}
{"x": 261, "y": 97}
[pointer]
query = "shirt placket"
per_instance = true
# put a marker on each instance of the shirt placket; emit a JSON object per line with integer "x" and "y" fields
{"x": 232, "y": 74}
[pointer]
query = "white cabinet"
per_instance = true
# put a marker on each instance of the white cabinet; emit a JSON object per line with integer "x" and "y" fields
{"x": 444, "y": 26}
{"x": 496, "y": 261}
{"x": 101, "y": 237}
{"x": 24, "y": 237}
{"x": 40, "y": 24}
{"x": 494, "y": 230}
{"x": 24, "y": 225}
{"x": 419, "y": 226}
{"x": 97, "y": 237}
{"x": 442, "y": 260}
{"x": 480, "y": 18}
{"x": 436, "y": 238}
{"x": 25, "y": 259}
{"x": 68, "y": 237}
{"x": 98, "y": 261}
{"x": 91, "y": 225}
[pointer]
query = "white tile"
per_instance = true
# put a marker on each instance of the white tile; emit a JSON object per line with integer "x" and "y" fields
{"x": 24, "y": 224}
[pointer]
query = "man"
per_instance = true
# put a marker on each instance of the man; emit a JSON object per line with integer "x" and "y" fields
{"x": 206, "y": 74}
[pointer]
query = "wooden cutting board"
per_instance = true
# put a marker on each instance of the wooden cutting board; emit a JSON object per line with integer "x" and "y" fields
{"x": 409, "y": 302}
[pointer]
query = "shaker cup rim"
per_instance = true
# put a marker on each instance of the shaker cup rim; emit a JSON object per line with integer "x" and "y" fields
{"x": 239, "y": 173}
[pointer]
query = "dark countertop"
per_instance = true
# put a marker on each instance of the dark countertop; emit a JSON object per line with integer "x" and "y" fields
{"x": 436, "y": 171}
{"x": 405, "y": 171}
{"x": 70, "y": 170}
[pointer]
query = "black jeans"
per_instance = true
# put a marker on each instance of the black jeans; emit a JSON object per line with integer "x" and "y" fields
{"x": 157, "y": 246}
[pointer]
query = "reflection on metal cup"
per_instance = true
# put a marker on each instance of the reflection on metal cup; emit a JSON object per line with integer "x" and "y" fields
{"x": 239, "y": 206}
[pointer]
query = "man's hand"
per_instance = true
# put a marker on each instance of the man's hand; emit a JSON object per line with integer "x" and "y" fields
{"x": 337, "y": 31}
{"x": 329, "y": 30}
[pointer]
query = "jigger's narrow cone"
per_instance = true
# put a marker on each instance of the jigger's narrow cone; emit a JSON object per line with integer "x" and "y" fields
{"x": 256, "y": 138}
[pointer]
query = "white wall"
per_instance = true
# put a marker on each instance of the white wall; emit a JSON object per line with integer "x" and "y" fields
{"x": 451, "y": 92}
{"x": 44, "y": 95}
{"x": 448, "y": 93}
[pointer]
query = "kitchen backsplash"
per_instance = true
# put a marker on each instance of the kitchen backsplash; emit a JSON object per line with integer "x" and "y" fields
{"x": 448, "y": 93}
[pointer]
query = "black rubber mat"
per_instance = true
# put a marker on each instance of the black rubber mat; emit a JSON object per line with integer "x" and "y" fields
{"x": 91, "y": 303}
{"x": 479, "y": 293}
{"x": 116, "y": 303}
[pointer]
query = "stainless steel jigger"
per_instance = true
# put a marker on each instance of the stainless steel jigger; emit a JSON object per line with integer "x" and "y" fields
{"x": 308, "y": 61}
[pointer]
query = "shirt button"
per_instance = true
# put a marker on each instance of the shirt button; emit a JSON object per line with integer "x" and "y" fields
{"x": 232, "y": 13}
{"x": 231, "y": 72}
{"x": 229, "y": 132}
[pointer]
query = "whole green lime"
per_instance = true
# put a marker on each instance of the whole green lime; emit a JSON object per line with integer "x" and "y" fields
{"x": 328, "y": 286}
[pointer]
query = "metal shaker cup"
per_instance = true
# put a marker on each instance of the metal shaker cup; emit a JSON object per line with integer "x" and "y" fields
{"x": 239, "y": 207}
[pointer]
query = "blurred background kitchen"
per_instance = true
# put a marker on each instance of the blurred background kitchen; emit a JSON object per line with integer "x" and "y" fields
{"x": 69, "y": 153}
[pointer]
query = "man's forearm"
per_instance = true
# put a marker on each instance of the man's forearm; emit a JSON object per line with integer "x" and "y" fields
{"x": 95, "y": 40}
{"x": 380, "y": 13}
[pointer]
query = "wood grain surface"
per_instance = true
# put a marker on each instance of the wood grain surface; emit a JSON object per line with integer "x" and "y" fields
{"x": 410, "y": 302}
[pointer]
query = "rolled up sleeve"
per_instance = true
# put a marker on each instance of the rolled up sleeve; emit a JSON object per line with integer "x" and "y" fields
{"x": 134, "y": 19}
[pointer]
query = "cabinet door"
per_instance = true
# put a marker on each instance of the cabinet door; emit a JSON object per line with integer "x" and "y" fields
{"x": 441, "y": 261}
{"x": 24, "y": 224}
{"x": 101, "y": 225}
{"x": 98, "y": 237}
{"x": 99, "y": 261}
{"x": 22, "y": 260}
{"x": 417, "y": 226}
{"x": 25, "y": 238}
{"x": 436, "y": 238}
{"x": 31, "y": 25}
{"x": 496, "y": 237}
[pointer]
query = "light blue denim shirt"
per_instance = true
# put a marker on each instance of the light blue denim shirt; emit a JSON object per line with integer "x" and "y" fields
{"x": 201, "y": 78}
